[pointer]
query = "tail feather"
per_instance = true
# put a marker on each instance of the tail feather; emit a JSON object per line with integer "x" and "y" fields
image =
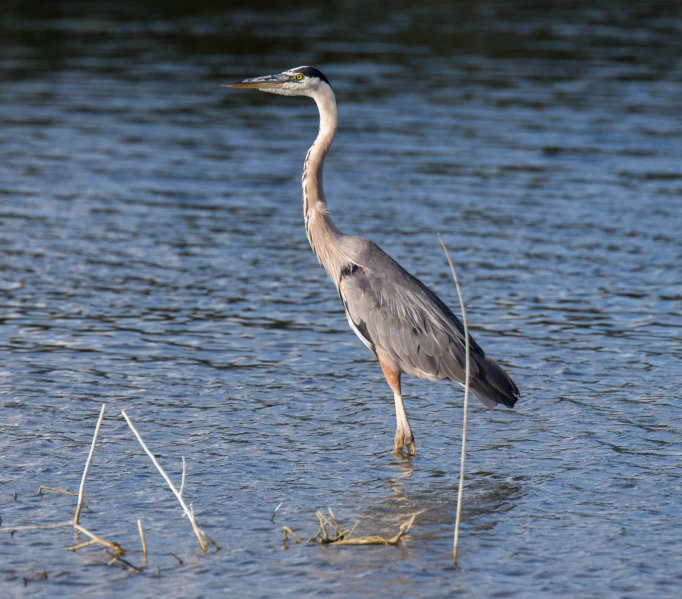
{"x": 493, "y": 384}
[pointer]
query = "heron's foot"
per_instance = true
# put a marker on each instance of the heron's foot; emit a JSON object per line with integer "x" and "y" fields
{"x": 404, "y": 440}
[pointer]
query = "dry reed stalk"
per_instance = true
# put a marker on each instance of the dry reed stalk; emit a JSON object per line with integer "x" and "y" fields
{"x": 466, "y": 404}
{"x": 288, "y": 532}
{"x": 144, "y": 541}
{"x": 81, "y": 545}
{"x": 197, "y": 531}
{"x": 87, "y": 465}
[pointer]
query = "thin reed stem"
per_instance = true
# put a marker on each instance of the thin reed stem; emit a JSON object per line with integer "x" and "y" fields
{"x": 190, "y": 515}
{"x": 87, "y": 466}
{"x": 184, "y": 472}
{"x": 144, "y": 541}
{"x": 466, "y": 404}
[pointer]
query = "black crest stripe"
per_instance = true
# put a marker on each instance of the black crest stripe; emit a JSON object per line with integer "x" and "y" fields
{"x": 312, "y": 72}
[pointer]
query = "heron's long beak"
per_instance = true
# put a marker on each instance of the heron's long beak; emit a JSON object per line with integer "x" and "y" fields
{"x": 264, "y": 83}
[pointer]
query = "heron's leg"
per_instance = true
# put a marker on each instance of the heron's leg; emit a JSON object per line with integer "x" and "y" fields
{"x": 403, "y": 433}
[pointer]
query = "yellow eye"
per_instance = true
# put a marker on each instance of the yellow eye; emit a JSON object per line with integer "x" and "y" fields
{"x": 299, "y": 76}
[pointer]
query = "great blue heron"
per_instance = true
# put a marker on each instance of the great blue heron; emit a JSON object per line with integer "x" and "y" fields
{"x": 405, "y": 324}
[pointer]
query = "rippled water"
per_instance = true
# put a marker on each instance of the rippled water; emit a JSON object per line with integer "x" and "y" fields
{"x": 154, "y": 258}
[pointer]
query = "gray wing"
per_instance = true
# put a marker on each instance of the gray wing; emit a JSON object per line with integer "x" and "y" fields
{"x": 394, "y": 313}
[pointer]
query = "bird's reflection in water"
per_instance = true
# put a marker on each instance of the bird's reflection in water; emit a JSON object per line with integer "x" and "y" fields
{"x": 402, "y": 468}
{"x": 488, "y": 497}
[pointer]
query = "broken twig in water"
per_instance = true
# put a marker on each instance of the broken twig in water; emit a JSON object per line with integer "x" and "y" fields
{"x": 112, "y": 545}
{"x": 42, "y": 488}
{"x": 81, "y": 545}
{"x": 272, "y": 518}
{"x": 466, "y": 404}
{"x": 177, "y": 558}
{"x": 120, "y": 562}
{"x": 39, "y": 526}
{"x": 87, "y": 465}
{"x": 201, "y": 536}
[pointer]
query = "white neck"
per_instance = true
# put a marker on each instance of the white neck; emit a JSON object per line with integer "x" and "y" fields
{"x": 325, "y": 239}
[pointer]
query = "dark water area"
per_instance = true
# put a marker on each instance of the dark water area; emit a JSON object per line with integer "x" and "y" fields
{"x": 154, "y": 258}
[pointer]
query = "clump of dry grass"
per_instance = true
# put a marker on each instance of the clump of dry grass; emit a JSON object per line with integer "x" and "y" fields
{"x": 330, "y": 533}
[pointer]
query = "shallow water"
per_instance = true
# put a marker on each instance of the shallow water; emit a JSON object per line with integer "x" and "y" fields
{"x": 154, "y": 258}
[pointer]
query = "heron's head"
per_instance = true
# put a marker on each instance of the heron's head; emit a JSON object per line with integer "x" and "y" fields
{"x": 301, "y": 81}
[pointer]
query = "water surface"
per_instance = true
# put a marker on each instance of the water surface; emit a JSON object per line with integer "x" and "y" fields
{"x": 154, "y": 258}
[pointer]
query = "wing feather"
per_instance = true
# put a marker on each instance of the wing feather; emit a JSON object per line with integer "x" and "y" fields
{"x": 405, "y": 320}
{"x": 392, "y": 311}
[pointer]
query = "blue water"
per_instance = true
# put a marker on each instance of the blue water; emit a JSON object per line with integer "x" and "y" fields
{"x": 154, "y": 259}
